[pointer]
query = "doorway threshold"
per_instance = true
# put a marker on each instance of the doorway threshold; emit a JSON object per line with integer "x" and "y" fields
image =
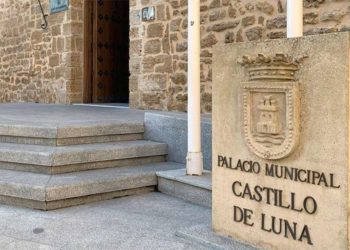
{"x": 104, "y": 105}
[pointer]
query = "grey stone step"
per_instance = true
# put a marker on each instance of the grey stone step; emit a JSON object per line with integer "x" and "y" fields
{"x": 70, "y": 140}
{"x": 196, "y": 189}
{"x": 52, "y": 160}
{"x": 51, "y": 134}
{"x": 47, "y": 192}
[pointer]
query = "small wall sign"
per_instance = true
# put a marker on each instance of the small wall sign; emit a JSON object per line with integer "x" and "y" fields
{"x": 148, "y": 14}
{"x": 58, "y": 5}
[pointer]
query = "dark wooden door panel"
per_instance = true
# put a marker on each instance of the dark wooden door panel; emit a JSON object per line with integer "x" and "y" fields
{"x": 111, "y": 56}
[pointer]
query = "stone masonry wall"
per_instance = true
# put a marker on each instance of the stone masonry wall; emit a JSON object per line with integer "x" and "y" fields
{"x": 158, "y": 59}
{"x": 46, "y": 66}
{"x": 38, "y": 65}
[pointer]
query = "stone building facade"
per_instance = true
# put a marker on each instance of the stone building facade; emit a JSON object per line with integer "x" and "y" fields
{"x": 38, "y": 65}
{"x": 47, "y": 66}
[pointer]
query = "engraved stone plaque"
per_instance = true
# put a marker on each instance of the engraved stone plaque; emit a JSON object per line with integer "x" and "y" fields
{"x": 281, "y": 142}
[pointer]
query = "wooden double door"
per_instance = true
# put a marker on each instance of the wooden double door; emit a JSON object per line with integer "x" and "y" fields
{"x": 106, "y": 51}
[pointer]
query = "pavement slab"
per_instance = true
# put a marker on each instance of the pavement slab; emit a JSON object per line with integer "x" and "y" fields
{"x": 147, "y": 221}
{"x": 204, "y": 235}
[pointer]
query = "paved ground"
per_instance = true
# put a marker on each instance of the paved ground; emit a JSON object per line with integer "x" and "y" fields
{"x": 139, "y": 222}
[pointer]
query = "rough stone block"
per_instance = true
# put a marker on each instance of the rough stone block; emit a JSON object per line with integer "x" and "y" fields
{"x": 155, "y": 30}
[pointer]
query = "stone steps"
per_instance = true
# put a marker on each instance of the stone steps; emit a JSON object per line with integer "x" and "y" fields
{"x": 47, "y": 192}
{"x": 59, "y": 156}
{"x": 54, "y": 156}
{"x": 196, "y": 189}
{"x": 55, "y": 160}
{"x": 70, "y": 134}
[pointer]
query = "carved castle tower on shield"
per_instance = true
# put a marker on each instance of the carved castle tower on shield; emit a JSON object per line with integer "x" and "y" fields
{"x": 269, "y": 118}
{"x": 271, "y": 104}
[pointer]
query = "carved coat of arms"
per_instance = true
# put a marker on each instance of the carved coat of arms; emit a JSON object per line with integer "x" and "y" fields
{"x": 271, "y": 105}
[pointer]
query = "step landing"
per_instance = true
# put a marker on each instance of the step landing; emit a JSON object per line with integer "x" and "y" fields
{"x": 59, "y": 125}
{"x": 49, "y": 134}
{"x": 196, "y": 189}
{"x": 47, "y": 192}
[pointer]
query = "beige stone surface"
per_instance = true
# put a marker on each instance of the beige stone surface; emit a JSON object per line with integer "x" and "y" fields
{"x": 323, "y": 145}
{"x": 47, "y": 66}
{"x": 159, "y": 73}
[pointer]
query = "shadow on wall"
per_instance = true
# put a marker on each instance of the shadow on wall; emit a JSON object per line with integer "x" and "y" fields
{"x": 171, "y": 128}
